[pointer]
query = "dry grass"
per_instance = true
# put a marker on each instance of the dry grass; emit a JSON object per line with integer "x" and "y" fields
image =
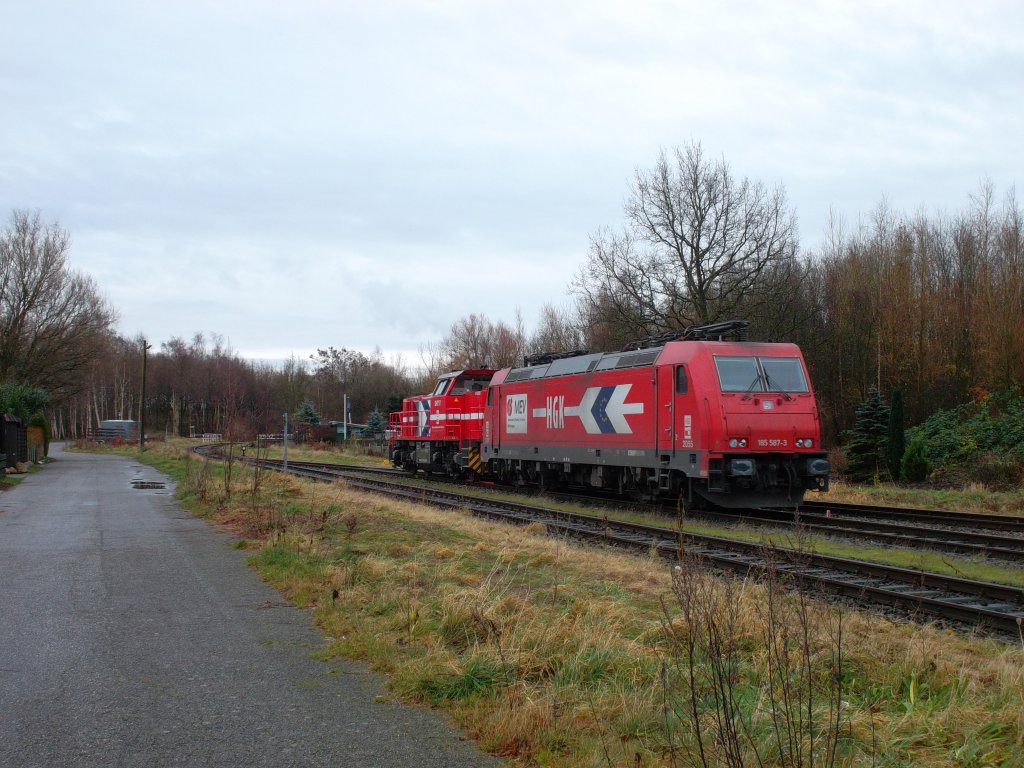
{"x": 552, "y": 654}
{"x": 970, "y": 497}
{"x": 331, "y": 454}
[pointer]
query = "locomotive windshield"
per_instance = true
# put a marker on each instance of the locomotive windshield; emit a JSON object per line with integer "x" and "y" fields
{"x": 761, "y": 374}
{"x": 783, "y": 374}
{"x": 463, "y": 383}
{"x": 739, "y": 374}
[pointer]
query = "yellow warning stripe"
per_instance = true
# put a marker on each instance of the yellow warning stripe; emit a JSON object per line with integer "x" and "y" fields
{"x": 474, "y": 462}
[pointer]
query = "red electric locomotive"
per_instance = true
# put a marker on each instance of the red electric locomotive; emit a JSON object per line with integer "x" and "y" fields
{"x": 726, "y": 423}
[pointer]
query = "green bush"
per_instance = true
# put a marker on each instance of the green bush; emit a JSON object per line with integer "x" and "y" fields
{"x": 998, "y": 472}
{"x": 915, "y": 466}
{"x": 22, "y": 400}
{"x": 963, "y": 440}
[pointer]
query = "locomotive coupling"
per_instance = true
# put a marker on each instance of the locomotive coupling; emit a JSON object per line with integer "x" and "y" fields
{"x": 742, "y": 468}
{"x": 818, "y": 467}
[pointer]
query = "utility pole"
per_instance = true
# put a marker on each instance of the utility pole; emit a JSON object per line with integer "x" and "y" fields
{"x": 286, "y": 442}
{"x": 142, "y": 398}
{"x": 344, "y": 417}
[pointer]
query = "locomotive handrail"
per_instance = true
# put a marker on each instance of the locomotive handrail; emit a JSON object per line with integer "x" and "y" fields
{"x": 438, "y": 424}
{"x": 447, "y": 430}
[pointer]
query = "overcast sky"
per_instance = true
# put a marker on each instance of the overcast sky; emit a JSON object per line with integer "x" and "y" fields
{"x": 293, "y": 175}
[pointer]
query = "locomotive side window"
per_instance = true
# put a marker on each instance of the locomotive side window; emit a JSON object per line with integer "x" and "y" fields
{"x": 783, "y": 374}
{"x": 681, "y": 382}
{"x": 739, "y": 374}
{"x": 442, "y": 385}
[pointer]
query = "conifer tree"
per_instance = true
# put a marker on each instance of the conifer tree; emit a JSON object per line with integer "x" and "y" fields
{"x": 867, "y": 450}
{"x": 307, "y": 414}
{"x": 376, "y": 424}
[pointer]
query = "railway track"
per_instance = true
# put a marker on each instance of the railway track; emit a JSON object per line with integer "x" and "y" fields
{"x": 1006, "y": 523}
{"x": 941, "y": 534}
{"x": 1000, "y": 537}
{"x": 994, "y": 607}
{"x": 917, "y": 529}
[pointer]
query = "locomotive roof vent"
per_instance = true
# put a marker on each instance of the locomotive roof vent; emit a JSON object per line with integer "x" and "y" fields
{"x": 628, "y": 359}
{"x": 550, "y": 357}
{"x": 523, "y": 374}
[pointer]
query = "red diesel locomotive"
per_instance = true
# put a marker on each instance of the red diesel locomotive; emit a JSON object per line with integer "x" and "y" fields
{"x": 726, "y": 423}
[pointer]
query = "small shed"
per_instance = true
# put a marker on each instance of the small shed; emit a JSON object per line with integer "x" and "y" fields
{"x": 117, "y": 429}
{"x": 13, "y": 441}
{"x": 324, "y": 432}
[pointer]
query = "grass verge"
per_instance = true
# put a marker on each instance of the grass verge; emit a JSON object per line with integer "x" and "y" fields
{"x": 971, "y": 497}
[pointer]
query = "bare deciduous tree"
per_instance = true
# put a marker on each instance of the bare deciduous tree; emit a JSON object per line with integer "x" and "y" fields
{"x": 697, "y": 246}
{"x": 474, "y": 341}
{"x": 468, "y": 344}
{"x": 930, "y": 304}
{"x": 368, "y": 381}
{"x": 53, "y": 320}
{"x": 557, "y": 331}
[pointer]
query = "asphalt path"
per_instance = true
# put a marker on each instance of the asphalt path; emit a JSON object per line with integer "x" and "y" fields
{"x": 132, "y": 634}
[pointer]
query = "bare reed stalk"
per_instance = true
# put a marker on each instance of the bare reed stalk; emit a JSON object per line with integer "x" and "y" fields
{"x": 257, "y": 473}
{"x": 701, "y": 666}
{"x": 497, "y": 584}
{"x": 198, "y": 480}
{"x": 720, "y": 654}
{"x": 229, "y": 464}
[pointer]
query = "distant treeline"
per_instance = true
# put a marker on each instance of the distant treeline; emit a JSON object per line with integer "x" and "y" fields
{"x": 929, "y": 304}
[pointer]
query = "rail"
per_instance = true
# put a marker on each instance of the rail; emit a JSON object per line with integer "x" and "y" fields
{"x": 989, "y": 606}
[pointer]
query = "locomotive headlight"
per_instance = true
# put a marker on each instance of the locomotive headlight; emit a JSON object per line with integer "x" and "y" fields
{"x": 804, "y": 442}
{"x": 733, "y": 442}
{"x": 743, "y": 442}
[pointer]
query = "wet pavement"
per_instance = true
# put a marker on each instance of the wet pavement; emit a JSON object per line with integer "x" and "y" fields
{"x": 132, "y": 634}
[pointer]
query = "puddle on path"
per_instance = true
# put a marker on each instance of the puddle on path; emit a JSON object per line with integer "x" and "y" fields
{"x": 148, "y": 484}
